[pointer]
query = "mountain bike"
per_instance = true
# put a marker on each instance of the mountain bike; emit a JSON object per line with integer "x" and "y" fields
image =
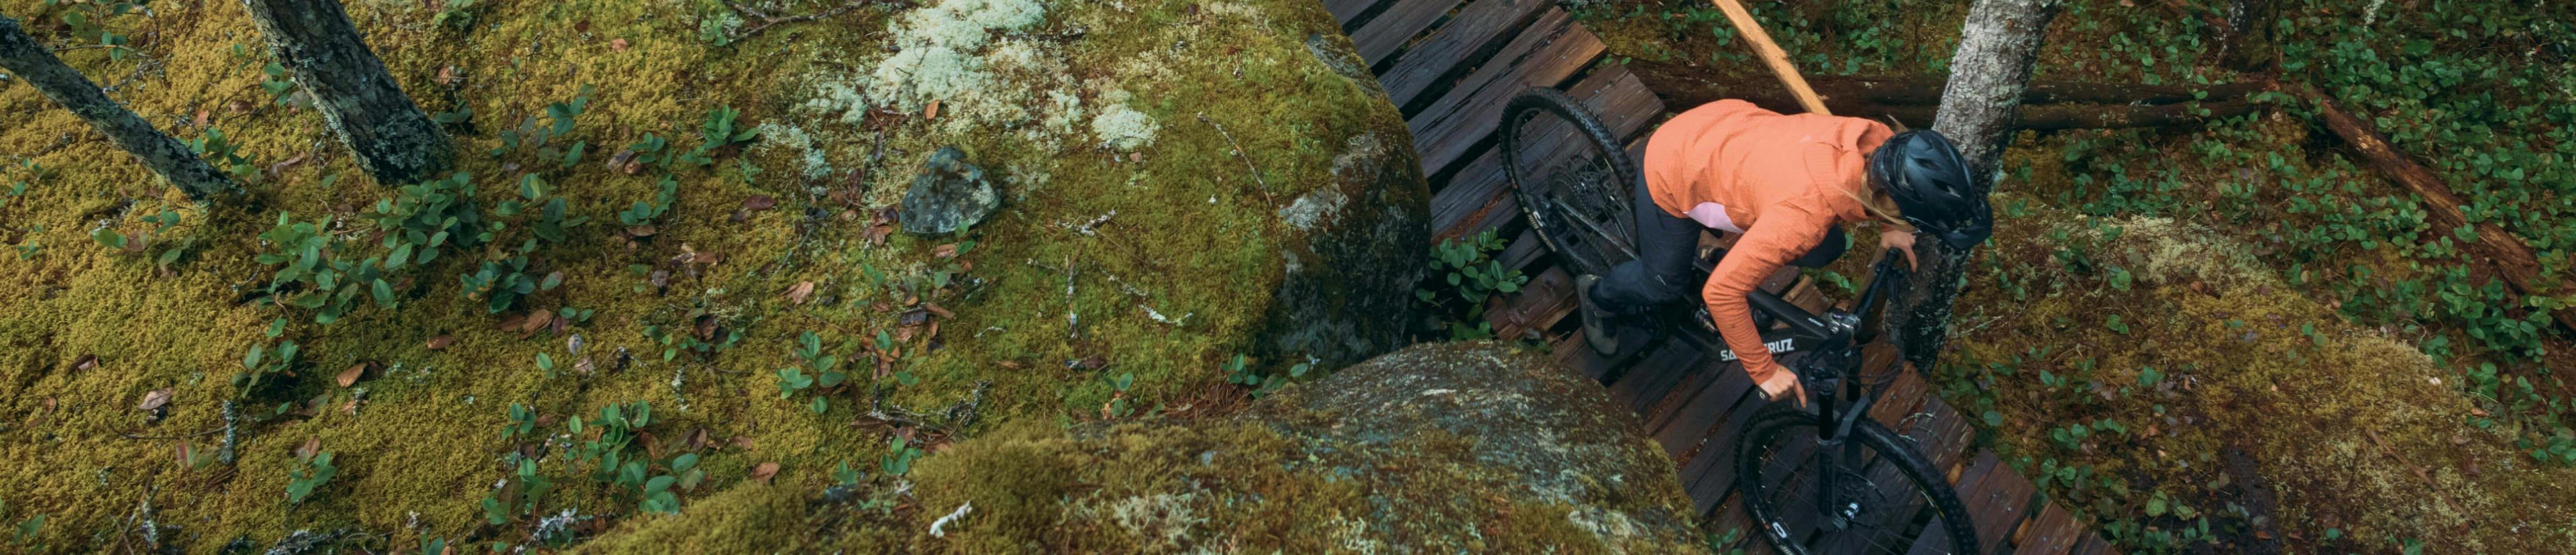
{"x": 1830, "y": 480}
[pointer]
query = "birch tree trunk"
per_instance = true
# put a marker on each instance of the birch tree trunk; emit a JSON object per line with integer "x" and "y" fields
{"x": 359, "y": 100}
{"x": 23, "y": 56}
{"x": 1988, "y": 76}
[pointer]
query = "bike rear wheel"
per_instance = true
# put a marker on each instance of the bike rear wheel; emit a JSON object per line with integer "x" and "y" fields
{"x": 1890, "y": 498}
{"x": 1571, "y": 178}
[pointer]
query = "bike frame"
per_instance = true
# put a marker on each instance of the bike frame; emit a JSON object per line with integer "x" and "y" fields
{"x": 1834, "y": 340}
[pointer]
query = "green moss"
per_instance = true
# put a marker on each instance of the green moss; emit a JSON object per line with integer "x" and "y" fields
{"x": 2354, "y": 429}
{"x": 425, "y": 438}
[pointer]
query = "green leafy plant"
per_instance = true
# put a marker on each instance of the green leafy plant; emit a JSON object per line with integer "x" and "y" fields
{"x": 225, "y": 156}
{"x": 1464, "y": 275}
{"x": 266, "y": 358}
{"x": 899, "y": 457}
{"x": 308, "y": 474}
{"x": 715, "y": 134}
{"x": 820, "y": 369}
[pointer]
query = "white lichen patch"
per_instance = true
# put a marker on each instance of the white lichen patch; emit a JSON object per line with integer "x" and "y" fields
{"x": 810, "y": 161}
{"x": 941, "y": 54}
{"x": 1314, "y": 209}
{"x": 1122, "y": 128}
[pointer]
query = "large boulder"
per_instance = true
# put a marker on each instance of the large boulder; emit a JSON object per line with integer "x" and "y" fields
{"x": 1439, "y": 448}
{"x": 1169, "y": 185}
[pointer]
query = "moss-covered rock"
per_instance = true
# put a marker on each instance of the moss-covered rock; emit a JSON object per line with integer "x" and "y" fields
{"x": 2174, "y": 350}
{"x": 1182, "y": 182}
{"x": 1467, "y": 447}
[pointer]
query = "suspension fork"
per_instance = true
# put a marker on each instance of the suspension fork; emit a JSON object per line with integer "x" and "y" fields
{"x": 1832, "y": 450}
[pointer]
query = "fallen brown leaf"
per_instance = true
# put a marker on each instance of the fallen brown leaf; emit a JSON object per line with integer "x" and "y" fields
{"x": 513, "y": 322}
{"x": 350, "y": 408}
{"x": 764, "y": 472}
{"x": 441, "y": 342}
{"x": 930, "y": 111}
{"x": 537, "y": 321}
{"x": 311, "y": 445}
{"x": 201, "y": 117}
{"x": 640, "y": 231}
{"x": 349, "y": 377}
{"x": 944, "y": 251}
{"x": 85, "y": 362}
{"x": 155, "y": 399}
{"x": 617, "y": 45}
{"x": 796, "y": 294}
{"x": 935, "y": 309}
{"x": 760, "y": 202}
{"x": 740, "y": 442}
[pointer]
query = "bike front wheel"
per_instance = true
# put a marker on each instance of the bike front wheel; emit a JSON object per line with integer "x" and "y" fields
{"x": 1886, "y": 498}
{"x": 1572, "y": 179}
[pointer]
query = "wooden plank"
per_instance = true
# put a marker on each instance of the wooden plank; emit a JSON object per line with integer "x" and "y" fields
{"x": 1650, "y": 379}
{"x": 1685, "y": 433}
{"x": 1548, "y": 297}
{"x": 2053, "y": 532}
{"x": 1935, "y": 543}
{"x": 1711, "y": 475}
{"x": 1898, "y": 402}
{"x": 1940, "y": 434}
{"x": 1545, "y": 55}
{"x": 1346, "y": 10}
{"x": 1457, "y": 46}
{"x": 1997, "y": 502}
{"x": 2092, "y": 544}
{"x": 1479, "y": 196}
{"x": 1526, "y": 249}
{"x": 1383, "y": 34}
{"x": 1670, "y": 405}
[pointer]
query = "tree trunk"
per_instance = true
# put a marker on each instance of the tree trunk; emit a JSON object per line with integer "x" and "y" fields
{"x": 360, "y": 101}
{"x": 2049, "y": 106}
{"x": 20, "y": 54}
{"x": 2509, "y": 257}
{"x": 2245, "y": 44}
{"x": 1988, "y": 77}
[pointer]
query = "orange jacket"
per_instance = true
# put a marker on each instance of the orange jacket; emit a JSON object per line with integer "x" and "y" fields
{"x": 1780, "y": 180}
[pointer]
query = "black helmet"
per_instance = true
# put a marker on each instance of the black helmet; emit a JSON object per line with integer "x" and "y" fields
{"x": 1929, "y": 181}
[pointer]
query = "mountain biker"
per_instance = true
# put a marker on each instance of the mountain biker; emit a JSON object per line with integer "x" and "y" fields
{"x": 1786, "y": 183}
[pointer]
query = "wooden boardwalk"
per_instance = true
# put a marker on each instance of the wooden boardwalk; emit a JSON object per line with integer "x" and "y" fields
{"x": 1450, "y": 66}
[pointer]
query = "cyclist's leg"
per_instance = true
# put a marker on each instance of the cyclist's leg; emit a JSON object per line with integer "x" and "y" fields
{"x": 1666, "y": 247}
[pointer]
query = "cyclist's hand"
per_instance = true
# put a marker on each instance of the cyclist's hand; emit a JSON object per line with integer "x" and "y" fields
{"x": 1784, "y": 384}
{"x": 1902, "y": 240}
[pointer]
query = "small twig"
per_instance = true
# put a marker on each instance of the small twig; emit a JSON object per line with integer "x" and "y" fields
{"x": 1246, "y": 157}
{"x": 1091, "y": 228}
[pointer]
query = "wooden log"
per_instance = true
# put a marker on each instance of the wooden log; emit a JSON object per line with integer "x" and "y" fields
{"x": 31, "y": 62}
{"x": 358, "y": 99}
{"x": 2047, "y": 105}
{"x": 2494, "y": 247}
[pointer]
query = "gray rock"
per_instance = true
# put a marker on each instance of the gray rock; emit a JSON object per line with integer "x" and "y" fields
{"x": 1538, "y": 433}
{"x": 949, "y": 196}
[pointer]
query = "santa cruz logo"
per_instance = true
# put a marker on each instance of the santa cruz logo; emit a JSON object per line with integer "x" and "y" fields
{"x": 1776, "y": 346}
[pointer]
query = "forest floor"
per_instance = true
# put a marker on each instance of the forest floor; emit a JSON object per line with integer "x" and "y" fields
{"x": 699, "y": 287}
{"x": 2235, "y": 334}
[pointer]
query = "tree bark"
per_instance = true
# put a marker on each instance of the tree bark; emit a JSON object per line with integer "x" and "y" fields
{"x": 359, "y": 100}
{"x": 1988, "y": 78}
{"x": 2497, "y": 248}
{"x": 22, "y": 55}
